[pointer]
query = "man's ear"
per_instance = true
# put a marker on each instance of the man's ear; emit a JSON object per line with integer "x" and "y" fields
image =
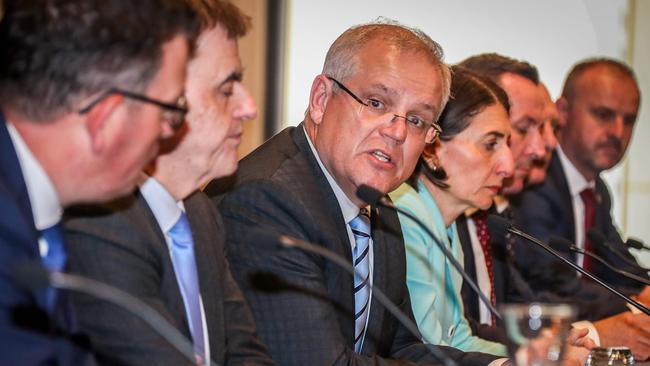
{"x": 98, "y": 118}
{"x": 429, "y": 154}
{"x": 562, "y": 105}
{"x": 321, "y": 91}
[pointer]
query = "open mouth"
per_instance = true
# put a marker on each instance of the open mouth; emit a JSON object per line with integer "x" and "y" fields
{"x": 381, "y": 156}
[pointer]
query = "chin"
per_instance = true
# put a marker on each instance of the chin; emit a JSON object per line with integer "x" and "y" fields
{"x": 224, "y": 169}
{"x": 513, "y": 188}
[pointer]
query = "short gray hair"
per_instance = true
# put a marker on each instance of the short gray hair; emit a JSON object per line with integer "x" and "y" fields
{"x": 341, "y": 58}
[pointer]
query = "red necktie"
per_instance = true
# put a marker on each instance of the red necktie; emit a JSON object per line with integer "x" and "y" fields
{"x": 483, "y": 235}
{"x": 589, "y": 200}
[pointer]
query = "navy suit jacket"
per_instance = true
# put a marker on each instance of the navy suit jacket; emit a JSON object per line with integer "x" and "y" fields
{"x": 28, "y": 336}
{"x": 302, "y": 303}
{"x": 546, "y": 210}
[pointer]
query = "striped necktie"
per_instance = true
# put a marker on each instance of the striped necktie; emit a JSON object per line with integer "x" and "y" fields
{"x": 360, "y": 226}
{"x": 184, "y": 263}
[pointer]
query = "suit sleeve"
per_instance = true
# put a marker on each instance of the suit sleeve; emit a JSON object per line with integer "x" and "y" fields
{"x": 110, "y": 251}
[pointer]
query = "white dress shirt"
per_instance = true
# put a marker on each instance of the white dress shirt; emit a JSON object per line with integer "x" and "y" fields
{"x": 577, "y": 183}
{"x": 46, "y": 208}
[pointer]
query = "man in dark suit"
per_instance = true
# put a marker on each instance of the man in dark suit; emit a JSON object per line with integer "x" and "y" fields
{"x": 68, "y": 107}
{"x": 136, "y": 243}
{"x": 370, "y": 113}
{"x": 598, "y": 109}
{"x": 512, "y": 280}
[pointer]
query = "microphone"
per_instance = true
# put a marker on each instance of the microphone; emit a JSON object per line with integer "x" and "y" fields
{"x": 36, "y": 277}
{"x": 599, "y": 238}
{"x": 557, "y": 242}
{"x": 269, "y": 239}
{"x": 636, "y": 244}
{"x": 500, "y": 227}
{"x": 373, "y": 196}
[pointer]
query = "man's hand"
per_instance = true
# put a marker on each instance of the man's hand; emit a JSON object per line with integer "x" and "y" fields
{"x": 577, "y": 347}
{"x": 626, "y": 329}
{"x": 643, "y": 296}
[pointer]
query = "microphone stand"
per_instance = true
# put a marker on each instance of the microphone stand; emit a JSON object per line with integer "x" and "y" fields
{"x": 556, "y": 242}
{"x": 534, "y": 240}
{"x": 35, "y": 276}
{"x": 371, "y": 195}
{"x": 629, "y": 275}
{"x": 289, "y": 242}
{"x": 599, "y": 238}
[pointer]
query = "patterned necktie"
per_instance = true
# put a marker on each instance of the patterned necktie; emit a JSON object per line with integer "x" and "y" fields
{"x": 184, "y": 263}
{"x": 54, "y": 260}
{"x": 483, "y": 235}
{"x": 589, "y": 200}
{"x": 360, "y": 226}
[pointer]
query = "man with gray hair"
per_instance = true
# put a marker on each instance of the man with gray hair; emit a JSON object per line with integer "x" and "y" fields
{"x": 87, "y": 88}
{"x": 370, "y": 114}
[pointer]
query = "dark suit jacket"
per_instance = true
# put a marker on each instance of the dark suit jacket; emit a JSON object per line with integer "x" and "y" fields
{"x": 591, "y": 301}
{"x": 304, "y": 304}
{"x": 546, "y": 210}
{"x": 122, "y": 245}
{"x": 28, "y": 336}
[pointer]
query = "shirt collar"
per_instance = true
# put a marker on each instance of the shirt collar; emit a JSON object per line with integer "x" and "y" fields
{"x": 577, "y": 183}
{"x": 348, "y": 208}
{"x": 46, "y": 208}
{"x": 165, "y": 209}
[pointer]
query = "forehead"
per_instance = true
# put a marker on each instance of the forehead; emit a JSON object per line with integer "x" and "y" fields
{"x": 215, "y": 53}
{"x": 403, "y": 72}
{"x": 524, "y": 96}
{"x": 491, "y": 119}
{"x": 609, "y": 87}
{"x": 550, "y": 110}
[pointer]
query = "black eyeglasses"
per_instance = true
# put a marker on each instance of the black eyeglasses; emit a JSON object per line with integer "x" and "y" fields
{"x": 376, "y": 108}
{"x": 173, "y": 114}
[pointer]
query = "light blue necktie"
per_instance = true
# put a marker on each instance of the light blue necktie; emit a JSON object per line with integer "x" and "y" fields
{"x": 54, "y": 260}
{"x": 360, "y": 226}
{"x": 184, "y": 263}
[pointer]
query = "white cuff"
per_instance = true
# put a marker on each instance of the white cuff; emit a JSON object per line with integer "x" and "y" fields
{"x": 498, "y": 362}
{"x": 593, "y": 333}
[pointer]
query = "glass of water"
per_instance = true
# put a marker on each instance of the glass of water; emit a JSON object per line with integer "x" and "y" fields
{"x": 538, "y": 332}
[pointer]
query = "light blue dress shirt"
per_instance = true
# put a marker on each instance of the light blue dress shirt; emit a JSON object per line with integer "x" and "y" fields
{"x": 166, "y": 210}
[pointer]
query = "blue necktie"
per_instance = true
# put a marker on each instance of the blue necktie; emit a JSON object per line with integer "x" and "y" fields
{"x": 185, "y": 267}
{"x": 360, "y": 226}
{"x": 54, "y": 260}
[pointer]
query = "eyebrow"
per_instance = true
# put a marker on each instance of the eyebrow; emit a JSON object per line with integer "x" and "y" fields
{"x": 529, "y": 121}
{"x": 496, "y": 134}
{"x": 235, "y": 76}
{"x": 393, "y": 93}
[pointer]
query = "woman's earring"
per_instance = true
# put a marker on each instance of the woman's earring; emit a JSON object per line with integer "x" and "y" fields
{"x": 438, "y": 172}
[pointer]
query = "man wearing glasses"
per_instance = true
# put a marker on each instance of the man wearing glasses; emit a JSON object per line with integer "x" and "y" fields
{"x": 69, "y": 136}
{"x": 165, "y": 243}
{"x": 370, "y": 113}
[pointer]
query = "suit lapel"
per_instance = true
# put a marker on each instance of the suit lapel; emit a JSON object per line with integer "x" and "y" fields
{"x": 334, "y": 218}
{"x": 557, "y": 178}
{"x": 469, "y": 297}
{"x": 334, "y": 229}
{"x": 12, "y": 180}
{"x": 169, "y": 288}
{"x": 203, "y": 234}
